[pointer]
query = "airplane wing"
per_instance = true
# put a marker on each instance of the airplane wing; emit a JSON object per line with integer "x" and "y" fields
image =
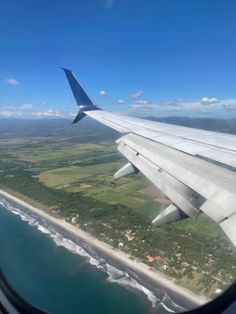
{"x": 194, "y": 168}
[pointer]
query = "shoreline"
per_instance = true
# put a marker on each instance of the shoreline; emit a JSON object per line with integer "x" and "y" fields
{"x": 178, "y": 294}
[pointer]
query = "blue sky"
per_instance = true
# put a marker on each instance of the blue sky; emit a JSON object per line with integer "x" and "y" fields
{"x": 155, "y": 57}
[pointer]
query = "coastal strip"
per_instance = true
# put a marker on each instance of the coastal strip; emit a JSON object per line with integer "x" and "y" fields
{"x": 179, "y": 295}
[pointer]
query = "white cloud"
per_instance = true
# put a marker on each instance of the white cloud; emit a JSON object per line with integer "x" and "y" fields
{"x": 205, "y": 112}
{"x": 51, "y": 114}
{"x": 120, "y": 101}
{"x": 136, "y": 94}
{"x": 102, "y": 93}
{"x": 229, "y": 102}
{"x": 172, "y": 103}
{"x": 213, "y": 105}
{"x": 141, "y": 102}
{"x": 25, "y": 106}
{"x": 209, "y": 101}
{"x": 11, "y": 81}
{"x": 229, "y": 107}
{"x": 223, "y": 107}
{"x": 6, "y": 113}
{"x": 28, "y": 111}
{"x": 142, "y": 106}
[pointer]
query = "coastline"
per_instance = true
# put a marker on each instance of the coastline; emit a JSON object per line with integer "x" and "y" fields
{"x": 178, "y": 294}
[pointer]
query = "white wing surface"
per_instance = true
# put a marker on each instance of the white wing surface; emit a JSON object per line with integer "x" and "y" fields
{"x": 195, "y": 168}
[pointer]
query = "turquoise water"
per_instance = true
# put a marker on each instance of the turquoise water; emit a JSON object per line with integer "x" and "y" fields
{"x": 54, "y": 273}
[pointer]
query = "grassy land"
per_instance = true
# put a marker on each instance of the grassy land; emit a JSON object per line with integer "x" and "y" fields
{"x": 74, "y": 180}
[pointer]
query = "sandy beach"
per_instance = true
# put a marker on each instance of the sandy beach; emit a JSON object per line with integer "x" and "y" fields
{"x": 180, "y": 295}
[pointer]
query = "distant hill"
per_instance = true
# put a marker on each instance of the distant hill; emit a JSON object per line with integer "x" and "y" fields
{"x": 55, "y": 128}
{"x": 220, "y": 125}
{"x": 90, "y": 129}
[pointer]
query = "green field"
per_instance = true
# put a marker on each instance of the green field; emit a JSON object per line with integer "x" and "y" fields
{"x": 73, "y": 174}
{"x": 94, "y": 180}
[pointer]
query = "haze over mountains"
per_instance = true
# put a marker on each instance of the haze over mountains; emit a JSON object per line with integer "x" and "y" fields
{"x": 90, "y": 128}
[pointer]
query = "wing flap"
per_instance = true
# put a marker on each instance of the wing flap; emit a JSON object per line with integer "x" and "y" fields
{"x": 177, "y": 191}
{"x": 175, "y": 172}
{"x": 229, "y": 227}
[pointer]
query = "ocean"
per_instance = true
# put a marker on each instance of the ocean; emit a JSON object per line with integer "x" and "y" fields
{"x": 60, "y": 274}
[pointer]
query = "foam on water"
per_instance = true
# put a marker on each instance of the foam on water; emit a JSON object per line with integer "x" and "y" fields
{"x": 115, "y": 275}
{"x": 127, "y": 281}
{"x": 43, "y": 230}
{"x": 167, "y": 300}
{"x": 167, "y": 308}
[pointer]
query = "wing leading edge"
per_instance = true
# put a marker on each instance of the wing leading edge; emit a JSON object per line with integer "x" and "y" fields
{"x": 194, "y": 168}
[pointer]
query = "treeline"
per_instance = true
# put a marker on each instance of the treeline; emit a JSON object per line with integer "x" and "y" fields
{"x": 67, "y": 203}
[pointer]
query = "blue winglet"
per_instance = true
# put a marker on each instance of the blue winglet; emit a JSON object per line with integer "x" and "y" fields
{"x": 82, "y": 99}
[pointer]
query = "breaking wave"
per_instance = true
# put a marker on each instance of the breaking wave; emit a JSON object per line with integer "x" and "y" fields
{"x": 115, "y": 275}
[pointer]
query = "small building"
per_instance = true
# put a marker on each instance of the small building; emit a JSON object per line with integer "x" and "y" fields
{"x": 150, "y": 259}
{"x": 158, "y": 258}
